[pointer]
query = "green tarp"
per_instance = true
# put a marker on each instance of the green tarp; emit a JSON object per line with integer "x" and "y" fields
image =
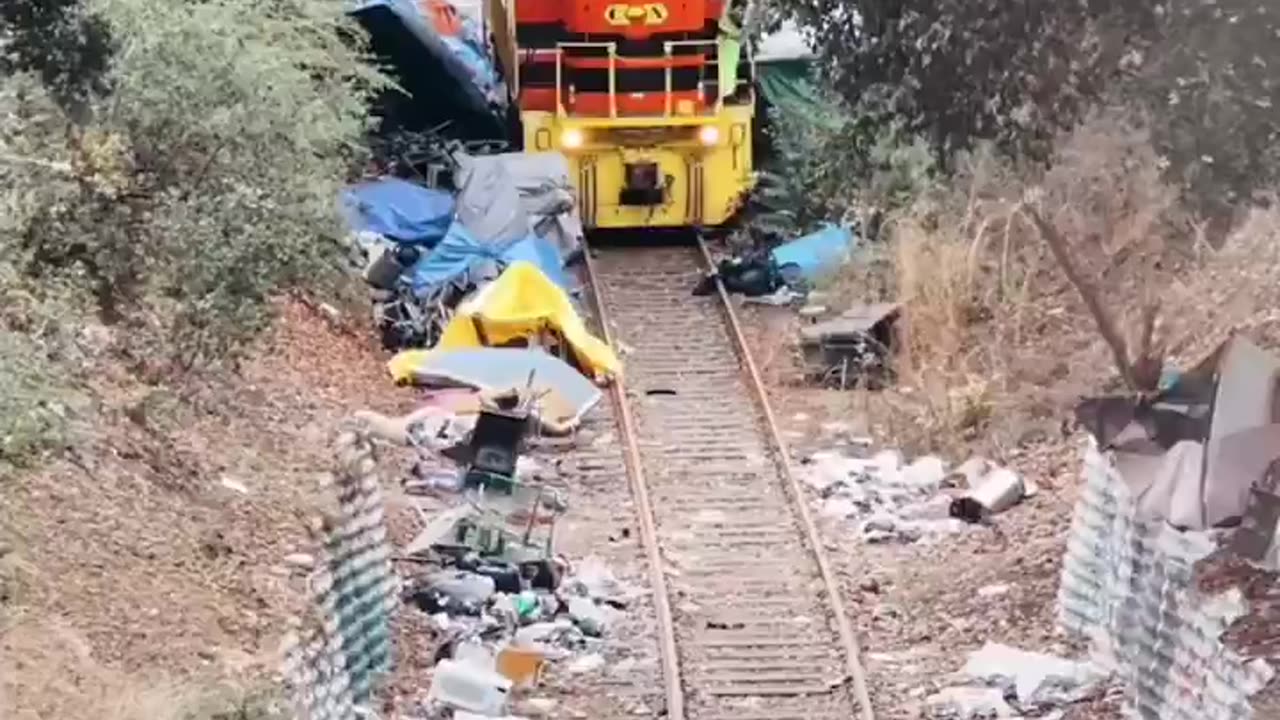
{"x": 729, "y": 54}
{"x": 786, "y": 87}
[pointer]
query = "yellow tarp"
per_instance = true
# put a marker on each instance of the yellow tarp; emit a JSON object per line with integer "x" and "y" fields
{"x": 521, "y": 303}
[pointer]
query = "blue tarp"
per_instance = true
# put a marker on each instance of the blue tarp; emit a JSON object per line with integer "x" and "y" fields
{"x": 816, "y": 252}
{"x": 399, "y": 210}
{"x": 441, "y": 85}
{"x": 458, "y": 251}
{"x": 541, "y": 252}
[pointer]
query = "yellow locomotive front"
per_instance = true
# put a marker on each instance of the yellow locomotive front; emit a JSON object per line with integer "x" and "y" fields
{"x": 650, "y": 102}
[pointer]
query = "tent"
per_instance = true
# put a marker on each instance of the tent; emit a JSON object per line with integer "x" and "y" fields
{"x": 1193, "y": 454}
{"x": 518, "y": 307}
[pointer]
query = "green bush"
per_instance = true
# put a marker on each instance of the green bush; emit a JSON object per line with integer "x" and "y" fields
{"x": 165, "y": 168}
{"x": 203, "y": 179}
{"x": 33, "y": 413}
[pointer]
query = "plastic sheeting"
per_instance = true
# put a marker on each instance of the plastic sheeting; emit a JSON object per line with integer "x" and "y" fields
{"x": 567, "y": 394}
{"x": 522, "y": 303}
{"x": 398, "y": 210}
{"x": 479, "y": 66}
{"x": 787, "y": 43}
{"x": 542, "y": 253}
{"x": 442, "y": 85}
{"x": 547, "y": 196}
{"x": 489, "y": 200}
{"x": 459, "y": 253}
{"x": 817, "y": 252}
{"x": 1193, "y": 455}
{"x": 787, "y": 89}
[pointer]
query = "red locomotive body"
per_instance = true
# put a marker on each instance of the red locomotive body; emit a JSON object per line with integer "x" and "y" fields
{"x": 662, "y": 52}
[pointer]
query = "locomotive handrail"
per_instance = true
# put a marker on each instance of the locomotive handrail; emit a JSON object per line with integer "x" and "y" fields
{"x": 612, "y": 47}
{"x": 669, "y": 48}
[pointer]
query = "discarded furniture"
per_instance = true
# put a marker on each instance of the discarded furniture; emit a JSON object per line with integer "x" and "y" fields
{"x": 495, "y": 447}
{"x": 856, "y": 345}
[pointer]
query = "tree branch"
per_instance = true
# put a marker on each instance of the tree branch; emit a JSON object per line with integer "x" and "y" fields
{"x": 1088, "y": 293}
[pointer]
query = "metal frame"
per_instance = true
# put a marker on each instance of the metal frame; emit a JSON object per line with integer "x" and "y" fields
{"x": 612, "y": 48}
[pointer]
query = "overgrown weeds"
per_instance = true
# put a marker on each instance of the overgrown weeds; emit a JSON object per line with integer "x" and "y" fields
{"x": 996, "y": 343}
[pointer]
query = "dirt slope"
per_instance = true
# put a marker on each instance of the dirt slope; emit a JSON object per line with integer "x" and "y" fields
{"x": 150, "y": 566}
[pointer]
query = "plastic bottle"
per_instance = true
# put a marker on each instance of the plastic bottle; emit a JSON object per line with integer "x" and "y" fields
{"x": 470, "y": 687}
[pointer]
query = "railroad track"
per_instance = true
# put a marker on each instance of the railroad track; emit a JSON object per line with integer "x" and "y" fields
{"x": 750, "y": 622}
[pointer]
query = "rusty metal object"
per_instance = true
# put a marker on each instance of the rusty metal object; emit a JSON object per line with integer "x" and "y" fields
{"x": 749, "y": 611}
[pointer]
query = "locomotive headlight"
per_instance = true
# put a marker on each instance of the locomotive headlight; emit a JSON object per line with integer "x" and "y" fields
{"x": 571, "y": 139}
{"x": 709, "y": 135}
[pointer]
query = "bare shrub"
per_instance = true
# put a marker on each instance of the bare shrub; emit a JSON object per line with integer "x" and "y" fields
{"x": 996, "y": 343}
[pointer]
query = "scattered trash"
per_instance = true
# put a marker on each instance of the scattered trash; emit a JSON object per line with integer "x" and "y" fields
{"x": 968, "y": 703}
{"x": 522, "y": 666}
{"x": 234, "y": 485}
{"x": 451, "y": 590}
{"x": 300, "y": 560}
{"x": 587, "y": 664}
{"x": 990, "y": 591}
{"x": 1014, "y": 683}
{"x": 754, "y": 275}
{"x": 781, "y": 297}
{"x": 469, "y": 687}
{"x": 856, "y": 346}
{"x": 542, "y": 707}
{"x": 997, "y": 491}
{"x": 503, "y": 617}
{"x": 789, "y": 270}
{"x": 591, "y": 618}
{"x": 1035, "y": 680}
{"x": 897, "y": 502}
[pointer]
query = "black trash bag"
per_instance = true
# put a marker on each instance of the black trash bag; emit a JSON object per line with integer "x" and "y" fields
{"x": 754, "y": 274}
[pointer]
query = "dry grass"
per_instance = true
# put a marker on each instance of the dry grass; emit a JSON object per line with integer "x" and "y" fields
{"x": 47, "y": 670}
{"x": 135, "y": 582}
{"x": 996, "y": 344}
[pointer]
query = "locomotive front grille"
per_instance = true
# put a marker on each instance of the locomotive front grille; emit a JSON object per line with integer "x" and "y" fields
{"x": 642, "y": 185}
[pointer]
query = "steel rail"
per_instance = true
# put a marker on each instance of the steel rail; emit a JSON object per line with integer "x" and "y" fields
{"x": 848, "y": 638}
{"x": 844, "y": 641}
{"x": 644, "y": 506}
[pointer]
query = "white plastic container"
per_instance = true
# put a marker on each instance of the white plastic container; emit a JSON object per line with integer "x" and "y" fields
{"x": 470, "y": 687}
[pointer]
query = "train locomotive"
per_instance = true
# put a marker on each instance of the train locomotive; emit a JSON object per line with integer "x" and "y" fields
{"x": 651, "y": 102}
